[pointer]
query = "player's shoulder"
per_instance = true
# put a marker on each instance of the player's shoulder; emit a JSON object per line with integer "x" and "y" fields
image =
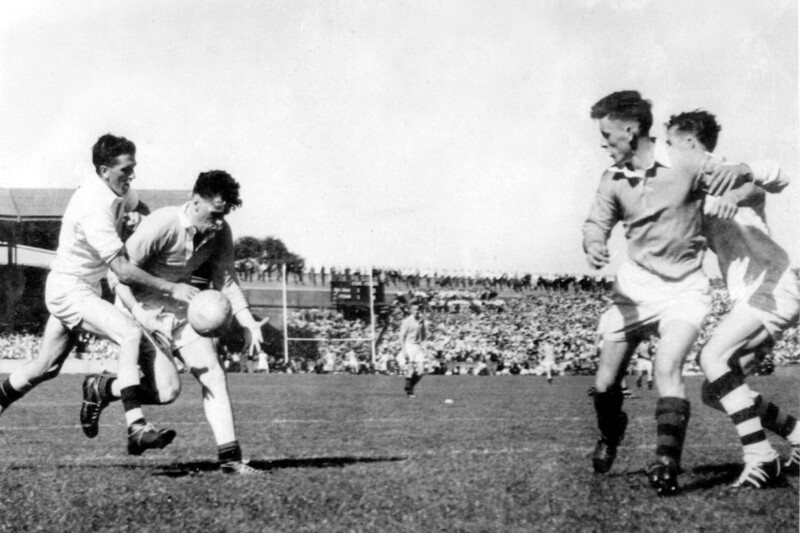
{"x": 162, "y": 220}
{"x": 163, "y": 214}
{"x": 610, "y": 173}
{"x": 91, "y": 196}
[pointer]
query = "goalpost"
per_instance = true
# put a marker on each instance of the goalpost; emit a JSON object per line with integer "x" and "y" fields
{"x": 371, "y": 339}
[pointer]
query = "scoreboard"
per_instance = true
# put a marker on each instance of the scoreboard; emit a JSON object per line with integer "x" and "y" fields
{"x": 356, "y": 293}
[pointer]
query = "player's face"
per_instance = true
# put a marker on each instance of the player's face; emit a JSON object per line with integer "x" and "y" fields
{"x": 678, "y": 142}
{"x": 119, "y": 174}
{"x": 209, "y": 213}
{"x": 616, "y": 137}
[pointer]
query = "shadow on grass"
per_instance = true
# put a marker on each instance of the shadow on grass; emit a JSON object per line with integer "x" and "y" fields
{"x": 706, "y": 477}
{"x": 196, "y": 467}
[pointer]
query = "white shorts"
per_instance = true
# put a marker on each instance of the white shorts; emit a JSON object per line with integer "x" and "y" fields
{"x": 643, "y": 300}
{"x": 644, "y": 366}
{"x": 67, "y": 297}
{"x": 175, "y": 322}
{"x": 775, "y": 304}
{"x": 415, "y": 358}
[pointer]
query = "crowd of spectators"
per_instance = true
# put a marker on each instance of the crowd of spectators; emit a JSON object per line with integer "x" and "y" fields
{"x": 263, "y": 270}
{"x": 475, "y": 332}
{"x": 470, "y": 331}
{"x": 25, "y": 345}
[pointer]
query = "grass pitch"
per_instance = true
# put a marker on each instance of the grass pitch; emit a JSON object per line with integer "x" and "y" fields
{"x": 351, "y": 453}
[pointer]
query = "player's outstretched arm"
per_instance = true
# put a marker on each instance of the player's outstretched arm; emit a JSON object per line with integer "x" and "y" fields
{"x": 147, "y": 318}
{"x": 130, "y": 274}
{"x": 763, "y": 177}
{"x": 718, "y": 177}
{"x": 254, "y": 338}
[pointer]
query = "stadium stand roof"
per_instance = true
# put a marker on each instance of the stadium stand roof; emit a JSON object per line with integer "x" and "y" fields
{"x": 29, "y": 205}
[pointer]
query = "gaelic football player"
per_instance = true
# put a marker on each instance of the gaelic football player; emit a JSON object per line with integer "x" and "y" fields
{"x": 413, "y": 333}
{"x": 764, "y": 296}
{"x": 174, "y": 243}
{"x": 660, "y": 287}
{"x": 88, "y": 246}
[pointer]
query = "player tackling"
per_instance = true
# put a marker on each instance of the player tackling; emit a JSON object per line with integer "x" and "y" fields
{"x": 175, "y": 243}
{"x": 764, "y": 297}
{"x": 660, "y": 285}
{"x": 89, "y": 245}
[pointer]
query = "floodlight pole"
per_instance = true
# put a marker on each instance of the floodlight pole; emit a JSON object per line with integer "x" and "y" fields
{"x": 285, "y": 319}
{"x": 372, "y": 317}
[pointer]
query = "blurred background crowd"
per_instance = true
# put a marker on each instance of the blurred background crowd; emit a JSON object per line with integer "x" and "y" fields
{"x": 471, "y": 331}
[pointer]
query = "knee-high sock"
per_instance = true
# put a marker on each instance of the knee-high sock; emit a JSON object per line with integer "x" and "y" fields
{"x": 776, "y": 420}
{"x": 608, "y": 406}
{"x": 672, "y": 418}
{"x": 128, "y": 380}
{"x": 736, "y": 399}
{"x": 229, "y": 452}
{"x": 12, "y": 390}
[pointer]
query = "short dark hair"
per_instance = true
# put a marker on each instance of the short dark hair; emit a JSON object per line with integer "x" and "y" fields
{"x": 625, "y": 105}
{"x": 109, "y": 147}
{"x": 699, "y": 123}
{"x": 218, "y": 182}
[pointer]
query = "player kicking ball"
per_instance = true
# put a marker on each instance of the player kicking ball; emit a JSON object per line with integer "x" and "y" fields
{"x": 174, "y": 243}
{"x": 764, "y": 298}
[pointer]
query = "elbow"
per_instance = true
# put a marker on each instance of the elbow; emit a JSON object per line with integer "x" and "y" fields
{"x": 125, "y": 275}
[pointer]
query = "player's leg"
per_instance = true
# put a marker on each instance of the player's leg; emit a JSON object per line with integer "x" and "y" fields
{"x": 639, "y": 373}
{"x": 409, "y": 370}
{"x": 673, "y": 410}
{"x": 611, "y": 420}
{"x": 104, "y": 319}
{"x": 419, "y": 369}
{"x": 200, "y": 356}
{"x": 738, "y": 331}
{"x": 57, "y": 343}
{"x": 773, "y": 418}
{"x": 160, "y": 381}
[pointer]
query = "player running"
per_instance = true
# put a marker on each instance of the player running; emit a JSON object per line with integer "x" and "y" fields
{"x": 413, "y": 332}
{"x": 175, "y": 243}
{"x": 764, "y": 302}
{"x": 660, "y": 286}
{"x": 88, "y": 246}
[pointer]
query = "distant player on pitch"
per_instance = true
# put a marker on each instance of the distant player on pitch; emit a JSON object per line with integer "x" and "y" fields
{"x": 764, "y": 297}
{"x": 413, "y": 333}
{"x": 549, "y": 357}
{"x": 175, "y": 243}
{"x": 88, "y": 246}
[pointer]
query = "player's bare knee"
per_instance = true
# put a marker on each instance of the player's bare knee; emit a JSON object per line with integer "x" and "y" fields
{"x": 168, "y": 390}
{"x": 709, "y": 397}
{"x": 213, "y": 380}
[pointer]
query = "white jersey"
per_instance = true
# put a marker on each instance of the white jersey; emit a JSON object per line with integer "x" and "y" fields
{"x": 749, "y": 258}
{"x": 90, "y": 230}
